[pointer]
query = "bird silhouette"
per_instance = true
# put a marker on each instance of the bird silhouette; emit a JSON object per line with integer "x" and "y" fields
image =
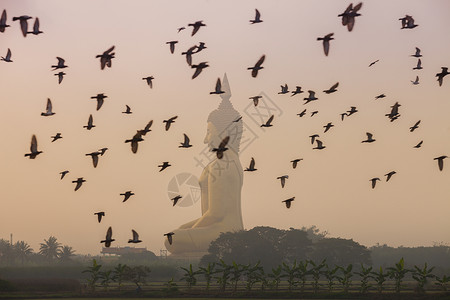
{"x": 374, "y": 181}
{"x": 380, "y": 96}
{"x": 60, "y": 76}
{"x": 417, "y": 54}
{"x": 326, "y": 42}
{"x": 102, "y": 151}
{"x": 146, "y": 128}
{"x": 60, "y": 64}
{"x": 128, "y": 110}
{"x": 3, "y": 24}
{"x": 408, "y": 22}
{"x": 63, "y": 173}
{"x": 36, "y": 30}
{"x": 419, "y": 65}
{"x": 288, "y": 202}
{"x": 48, "y": 111}
{"x": 348, "y": 16}
{"x": 100, "y": 214}
{"x": 257, "y": 17}
{"x": 320, "y": 145}
{"x": 284, "y": 89}
{"x": 94, "y": 156}
{"x": 268, "y": 122}
{"x": 100, "y": 99}
{"x": 370, "y": 138}
{"x": 135, "y": 140}
{"x": 188, "y": 54}
{"x": 218, "y": 88}
{"x": 23, "y": 23}
{"x": 394, "y": 115}
{"x": 222, "y": 147}
{"x": 295, "y": 162}
{"x": 374, "y": 62}
{"x": 176, "y": 199}
{"x": 313, "y": 138}
{"x": 199, "y": 68}
{"x": 126, "y": 195}
{"x": 196, "y": 26}
{"x": 251, "y": 167}
{"x": 311, "y": 97}
{"x": 283, "y": 180}
{"x": 172, "y": 46}
{"x": 169, "y": 122}
{"x": 255, "y": 69}
{"x": 56, "y": 137}
{"x": 164, "y": 166}
{"x": 415, "y": 82}
{"x": 33, "y": 148}
{"x": 7, "y": 58}
{"x": 332, "y": 89}
{"x": 343, "y": 115}
{"x": 418, "y": 145}
{"x": 327, "y": 127}
{"x": 440, "y": 160}
{"x": 313, "y": 113}
{"x": 169, "y": 237}
{"x": 149, "y": 81}
{"x": 106, "y": 58}
{"x": 238, "y": 119}
{"x": 108, "y": 240}
{"x": 302, "y": 113}
{"x": 180, "y": 29}
{"x": 414, "y": 127}
{"x": 185, "y": 143}
{"x": 200, "y": 47}
{"x": 90, "y": 124}
{"x": 298, "y": 90}
{"x": 255, "y": 99}
{"x": 79, "y": 183}
{"x": 441, "y": 75}
{"x": 135, "y": 238}
{"x": 389, "y": 175}
{"x": 351, "y": 111}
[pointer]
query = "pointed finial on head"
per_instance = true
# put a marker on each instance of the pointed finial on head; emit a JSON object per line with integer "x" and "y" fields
{"x": 225, "y": 88}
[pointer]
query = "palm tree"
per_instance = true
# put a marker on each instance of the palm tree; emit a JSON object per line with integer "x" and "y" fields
{"x": 6, "y": 252}
{"x": 50, "y": 248}
{"x": 22, "y": 250}
{"x": 65, "y": 253}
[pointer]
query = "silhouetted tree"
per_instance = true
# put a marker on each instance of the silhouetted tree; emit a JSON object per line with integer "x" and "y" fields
{"x": 50, "y": 248}
{"x": 341, "y": 252}
{"x": 22, "y": 250}
{"x": 65, "y": 253}
{"x": 6, "y": 252}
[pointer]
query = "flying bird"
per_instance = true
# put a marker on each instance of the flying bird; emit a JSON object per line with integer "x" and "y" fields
{"x": 100, "y": 99}
{"x": 222, "y": 147}
{"x": 218, "y": 88}
{"x": 370, "y": 138}
{"x": 374, "y": 181}
{"x": 23, "y": 23}
{"x": 63, "y": 173}
{"x": 36, "y": 30}
{"x": 255, "y": 99}
{"x": 301, "y": 114}
{"x": 188, "y": 54}
{"x": 60, "y": 76}
{"x": 149, "y": 79}
{"x": 408, "y": 22}
{"x": 320, "y": 145}
{"x": 126, "y": 195}
{"x": 169, "y": 237}
{"x": 313, "y": 113}
{"x": 374, "y": 62}
{"x": 326, "y": 42}
{"x": 79, "y": 183}
{"x": 419, "y": 65}
{"x": 251, "y": 167}
{"x": 394, "y": 115}
{"x": 311, "y": 97}
{"x": 298, "y": 90}
{"x": 176, "y": 199}
{"x": 257, "y": 66}
{"x": 135, "y": 140}
{"x": 257, "y": 17}
{"x": 146, "y": 128}
{"x": 106, "y": 58}
{"x": 352, "y": 111}
{"x": 185, "y": 143}
{"x": 418, "y": 145}
{"x": 380, "y": 96}
{"x": 135, "y": 238}
{"x": 180, "y": 29}
{"x": 172, "y": 46}
{"x": 102, "y": 151}
{"x": 332, "y": 89}
{"x": 108, "y": 240}
{"x": 56, "y": 137}
{"x": 295, "y": 162}
{"x": 389, "y": 175}
{"x": 283, "y": 180}
{"x": 417, "y": 54}
{"x": 288, "y": 202}
{"x": 164, "y": 166}
{"x": 268, "y": 122}
{"x": 343, "y": 115}
{"x": 128, "y": 110}
{"x": 33, "y": 148}
{"x": 90, "y": 124}
{"x": 100, "y": 214}
{"x": 441, "y": 75}
{"x": 414, "y": 127}
{"x": 3, "y": 24}
{"x": 199, "y": 68}
{"x": 284, "y": 89}
{"x": 327, "y": 127}
{"x": 200, "y": 47}
{"x": 415, "y": 82}
{"x": 348, "y": 16}
{"x": 440, "y": 160}
{"x": 60, "y": 64}
{"x": 48, "y": 111}
{"x": 196, "y": 26}
{"x": 7, "y": 58}
{"x": 94, "y": 156}
{"x": 238, "y": 119}
{"x": 169, "y": 122}
{"x": 313, "y": 138}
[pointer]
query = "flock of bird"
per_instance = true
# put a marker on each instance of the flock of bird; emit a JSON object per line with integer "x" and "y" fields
{"x": 348, "y": 18}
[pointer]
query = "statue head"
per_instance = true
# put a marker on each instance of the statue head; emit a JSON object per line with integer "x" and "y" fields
{"x": 221, "y": 122}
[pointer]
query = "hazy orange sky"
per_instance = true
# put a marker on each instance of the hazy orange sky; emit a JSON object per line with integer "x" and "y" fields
{"x": 331, "y": 186}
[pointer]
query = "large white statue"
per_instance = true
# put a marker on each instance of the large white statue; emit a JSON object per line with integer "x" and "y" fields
{"x": 220, "y": 183}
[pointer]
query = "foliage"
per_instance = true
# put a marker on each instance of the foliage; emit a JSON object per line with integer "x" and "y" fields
{"x": 302, "y": 272}
{"x": 224, "y": 278}
{"x": 290, "y": 273}
{"x": 65, "y": 253}
{"x": 208, "y": 273}
{"x": 170, "y": 286}
{"x": 107, "y": 278}
{"x": 254, "y": 274}
{"x": 380, "y": 278}
{"x": 50, "y": 248}
{"x": 442, "y": 282}
{"x": 365, "y": 274}
{"x": 189, "y": 276}
{"x": 22, "y": 250}
{"x": 94, "y": 272}
{"x": 330, "y": 275}
{"x": 316, "y": 271}
{"x": 421, "y": 276}
{"x": 136, "y": 274}
{"x": 398, "y": 273}
{"x": 119, "y": 274}
{"x": 276, "y": 276}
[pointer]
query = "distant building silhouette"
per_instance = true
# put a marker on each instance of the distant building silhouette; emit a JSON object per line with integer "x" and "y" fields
{"x": 123, "y": 250}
